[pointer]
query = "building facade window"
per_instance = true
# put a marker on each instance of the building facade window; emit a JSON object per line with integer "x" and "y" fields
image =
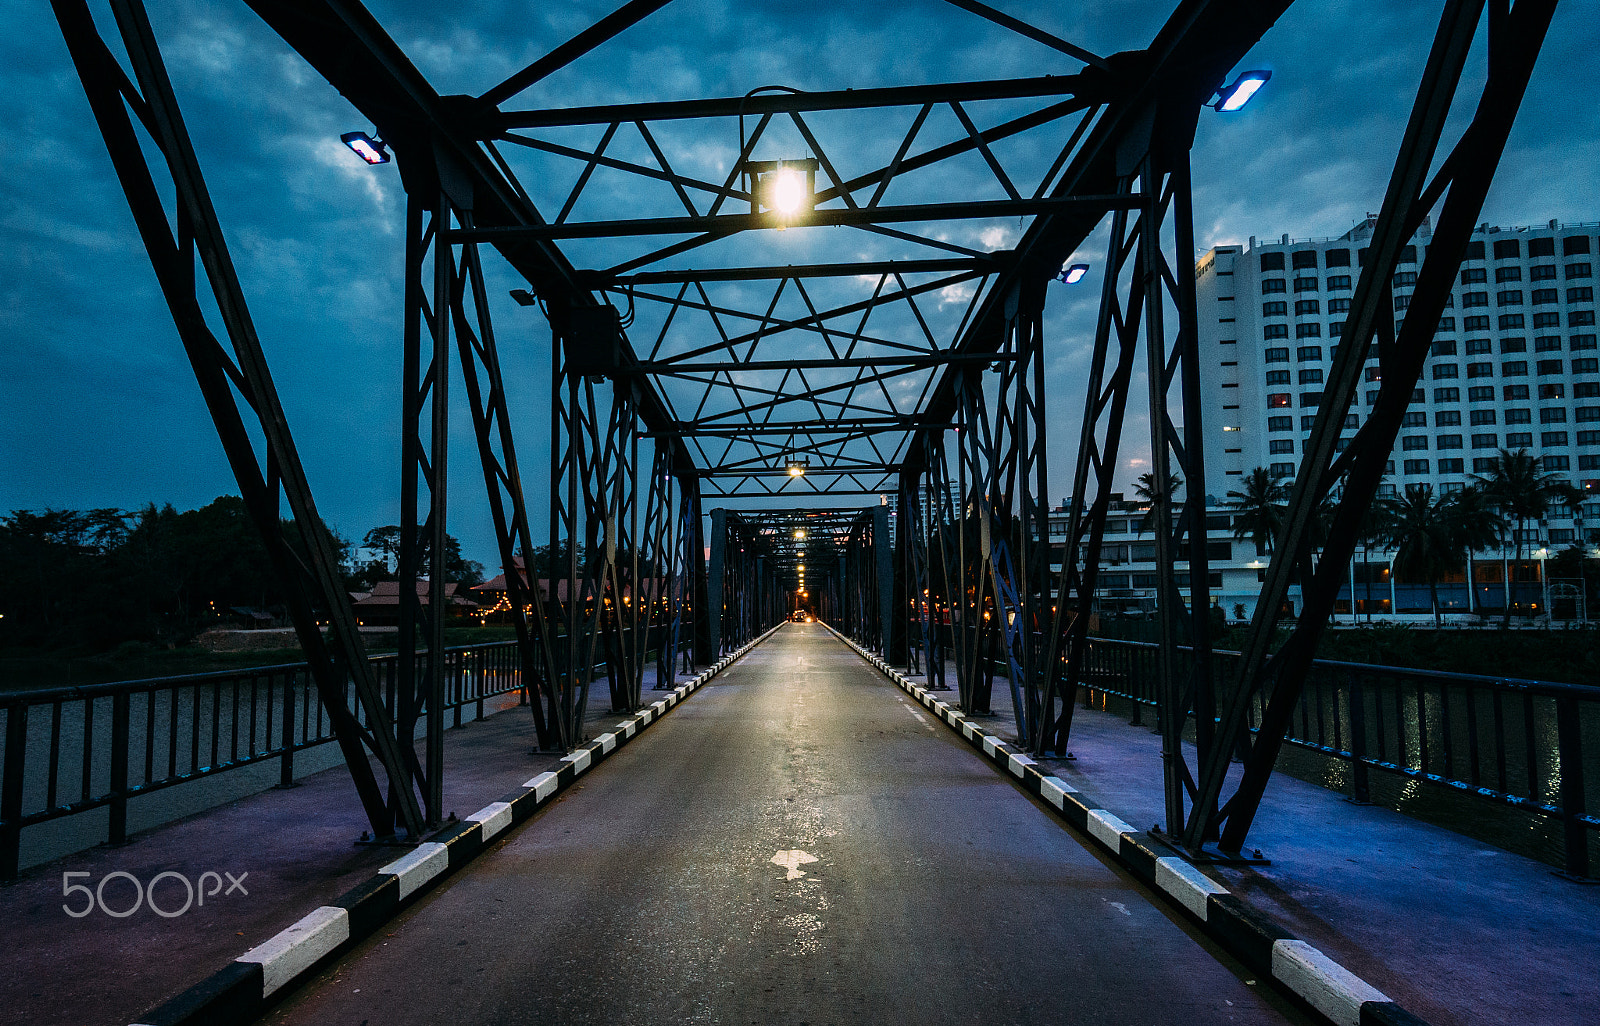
{"x": 1306, "y": 285}
{"x": 1547, "y": 344}
{"x": 1548, "y": 319}
{"x": 1542, "y": 272}
{"x": 1280, "y": 446}
{"x": 1512, "y": 322}
{"x": 1338, "y": 283}
{"x": 1553, "y": 439}
{"x": 1272, "y": 331}
{"x": 1547, "y": 367}
{"x": 1479, "y": 323}
{"x": 1447, "y": 418}
{"x": 1450, "y": 466}
{"x": 1277, "y": 377}
{"x": 1445, "y": 370}
{"x": 1472, "y": 299}
{"x": 1522, "y": 416}
{"x": 1280, "y": 423}
{"x": 1311, "y": 330}
{"x": 1449, "y": 441}
{"x": 1308, "y": 354}
{"x": 1519, "y": 439}
{"x": 1558, "y": 463}
{"x": 1416, "y": 466}
{"x": 1277, "y": 308}
{"x": 1311, "y": 376}
{"x": 1486, "y": 441}
{"x": 1480, "y": 370}
{"x": 1515, "y": 393}
{"x": 1503, "y": 274}
{"x": 1514, "y": 369}
{"x": 1273, "y": 286}
{"x": 1480, "y": 394}
{"x": 1272, "y": 261}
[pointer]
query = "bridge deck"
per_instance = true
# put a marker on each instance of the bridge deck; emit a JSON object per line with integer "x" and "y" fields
{"x": 653, "y": 891}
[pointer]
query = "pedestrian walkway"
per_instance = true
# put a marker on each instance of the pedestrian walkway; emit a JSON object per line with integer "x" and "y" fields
{"x": 1455, "y": 930}
{"x": 293, "y": 849}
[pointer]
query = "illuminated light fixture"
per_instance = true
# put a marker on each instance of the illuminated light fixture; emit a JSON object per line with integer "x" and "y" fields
{"x": 786, "y": 188}
{"x": 1232, "y": 97}
{"x": 800, "y": 535}
{"x": 366, "y": 147}
{"x": 797, "y": 468}
{"x": 1071, "y": 274}
{"x": 801, "y": 568}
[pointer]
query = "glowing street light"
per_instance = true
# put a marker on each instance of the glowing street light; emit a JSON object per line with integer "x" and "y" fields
{"x": 1072, "y": 274}
{"x": 1232, "y": 97}
{"x": 787, "y": 188}
{"x": 800, "y": 535}
{"x": 797, "y": 468}
{"x": 366, "y": 147}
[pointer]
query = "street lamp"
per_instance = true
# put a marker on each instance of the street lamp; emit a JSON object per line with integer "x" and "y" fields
{"x": 787, "y": 188}
{"x": 1544, "y": 583}
{"x": 797, "y": 468}
{"x": 1232, "y": 97}
{"x": 368, "y": 148}
{"x": 1072, "y": 274}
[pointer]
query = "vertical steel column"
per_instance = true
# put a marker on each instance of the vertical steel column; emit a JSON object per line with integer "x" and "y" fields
{"x": 716, "y": 612}
{"x": 422, "y": 546}
{"x": 890, "y": 605}
{"x": 1098, "y": 447}
{"x": 480, "y": 371}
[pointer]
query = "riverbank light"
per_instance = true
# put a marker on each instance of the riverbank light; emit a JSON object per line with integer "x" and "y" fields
{"x": 1072, "y": 274}
{"x": 366, "y": 147}
{"x": 1232, "y": 97}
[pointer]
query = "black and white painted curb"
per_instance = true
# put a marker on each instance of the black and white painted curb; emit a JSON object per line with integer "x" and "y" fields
{"x": 1335, "y": 992}
{"x": 242, "y": 992}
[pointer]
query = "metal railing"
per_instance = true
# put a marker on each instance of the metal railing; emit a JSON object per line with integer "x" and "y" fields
{"x": 72, "y": 749}
{"x": 1529, "y": 744}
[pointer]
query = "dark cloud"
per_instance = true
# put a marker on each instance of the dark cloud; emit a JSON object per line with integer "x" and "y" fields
{"x": 101, "y": 408}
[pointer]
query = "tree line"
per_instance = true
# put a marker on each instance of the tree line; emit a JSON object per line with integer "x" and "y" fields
{"x": 1431, "y": 534}
{"x": 99, "y": 577}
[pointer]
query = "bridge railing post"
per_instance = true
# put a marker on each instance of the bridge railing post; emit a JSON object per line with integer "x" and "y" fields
{"x": 11, "y": 790}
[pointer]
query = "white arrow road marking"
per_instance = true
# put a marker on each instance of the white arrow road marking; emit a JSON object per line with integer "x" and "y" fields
{"x": 792, "y": 861}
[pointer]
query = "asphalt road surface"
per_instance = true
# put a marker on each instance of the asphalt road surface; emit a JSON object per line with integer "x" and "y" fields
{"x": 796, "y": 844}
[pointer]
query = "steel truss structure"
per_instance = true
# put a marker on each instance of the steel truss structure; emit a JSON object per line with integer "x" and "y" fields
{"x": 900, "y": 364}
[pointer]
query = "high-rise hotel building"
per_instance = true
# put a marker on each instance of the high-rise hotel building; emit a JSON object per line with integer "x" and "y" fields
{"x": 1514, "y": 363}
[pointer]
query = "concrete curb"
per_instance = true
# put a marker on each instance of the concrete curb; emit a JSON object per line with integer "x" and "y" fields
{"x": 244, "y": 990}
{"x": 1329, "y": 988}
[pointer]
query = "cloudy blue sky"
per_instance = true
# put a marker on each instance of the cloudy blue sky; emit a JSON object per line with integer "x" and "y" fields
{"x": 100, "y": 407}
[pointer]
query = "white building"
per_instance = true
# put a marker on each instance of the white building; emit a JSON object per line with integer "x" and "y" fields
{"x": 1514, "y": 366}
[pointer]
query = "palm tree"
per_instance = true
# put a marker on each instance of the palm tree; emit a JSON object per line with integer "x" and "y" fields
{"x": 1477, "y": 527}
{"x": 1260, "y": 508}
{"x": 1374, "y": 531}
{"x": 1520, "y": 489}
{"x": 1419, "y": 531}
{"x": 1432, "y": 535}
{"x": 1145, "y": 488}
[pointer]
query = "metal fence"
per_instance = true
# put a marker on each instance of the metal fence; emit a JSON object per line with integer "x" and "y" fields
{"x": 1530, "y": 744}
{"x": 73, "y": 749}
